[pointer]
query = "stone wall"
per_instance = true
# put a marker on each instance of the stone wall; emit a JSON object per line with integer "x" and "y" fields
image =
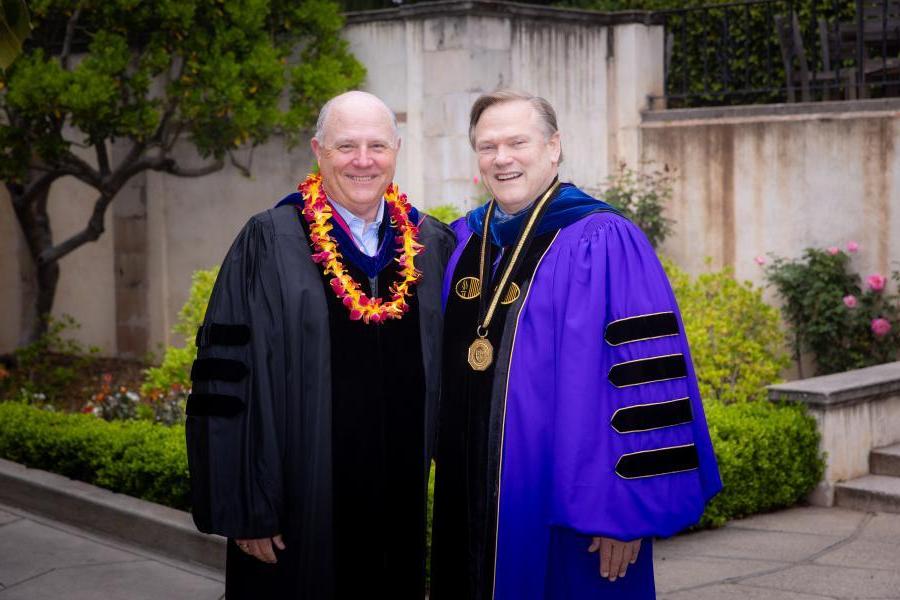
{"x": 775, "y": 179}
{"x": 855, "y": 412}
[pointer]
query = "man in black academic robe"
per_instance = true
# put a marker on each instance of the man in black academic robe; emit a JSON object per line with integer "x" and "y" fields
{"x": 310, "y": 430}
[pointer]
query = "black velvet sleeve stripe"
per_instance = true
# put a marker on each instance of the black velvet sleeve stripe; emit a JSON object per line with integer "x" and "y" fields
{"x": 220, "y": 334}
{"x": 641, "y": 327}
{"x": 644, "y": 417}
{"x": 223, "y": 369}
{"x": 648, "y": 370}
{"x": 213, "y": 405}
{"x": 663, "y": 461}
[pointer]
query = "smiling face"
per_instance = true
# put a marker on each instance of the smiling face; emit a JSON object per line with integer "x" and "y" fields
{"x": 517, "y": 159}
{"x": 357, "y": 153}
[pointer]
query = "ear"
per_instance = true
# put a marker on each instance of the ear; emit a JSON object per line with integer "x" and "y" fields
{"x": 316, "y": 148}
{"x": 399, "y": 142}
{"x": 555, "y": 148}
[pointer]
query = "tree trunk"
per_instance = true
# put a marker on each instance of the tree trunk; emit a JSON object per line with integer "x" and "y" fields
{"x": 47, "y": 280}
{"x": 31, "y": 213}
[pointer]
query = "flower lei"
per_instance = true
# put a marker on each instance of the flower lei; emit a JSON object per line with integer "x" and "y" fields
{"x": 317, "y": 212}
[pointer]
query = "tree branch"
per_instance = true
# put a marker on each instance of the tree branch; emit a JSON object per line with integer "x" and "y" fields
{"x": 82, "y": 170}
{"x": 33, "y": 189}
{"x": 90, "y": 233}
{"x": 130, "y": 166}
{"x": 26, "y": 220}
{"x": 212, "y": 167}
{"x": 67, "y": 43}
{"x": 244, "y": 169}
{"x": 110, "y": 185}
{"x": 102, "y": 159}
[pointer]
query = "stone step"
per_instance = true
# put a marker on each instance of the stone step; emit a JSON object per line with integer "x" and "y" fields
{"x": 885, "y": 461}
{"x": 871, "y": 493}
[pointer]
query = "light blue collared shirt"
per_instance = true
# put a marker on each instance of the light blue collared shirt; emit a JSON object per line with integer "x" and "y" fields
{"x": 365, "y": 236}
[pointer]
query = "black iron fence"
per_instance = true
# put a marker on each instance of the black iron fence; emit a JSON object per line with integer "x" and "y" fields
{"x": 765, "y": 51}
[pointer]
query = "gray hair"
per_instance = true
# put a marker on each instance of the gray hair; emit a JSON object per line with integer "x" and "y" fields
{"x": 544, "y": 109}
{"x": 326, "y": 111}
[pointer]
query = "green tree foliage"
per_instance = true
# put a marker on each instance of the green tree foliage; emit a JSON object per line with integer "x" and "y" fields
{"x": 105, "y": 89}
{"x": 737, "y": 342}
{"x": 175, "y": 370}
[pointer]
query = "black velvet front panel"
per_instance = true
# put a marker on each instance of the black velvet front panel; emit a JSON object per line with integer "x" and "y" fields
{"x": 378, "y": 395}
{"x": 465, "y": 511}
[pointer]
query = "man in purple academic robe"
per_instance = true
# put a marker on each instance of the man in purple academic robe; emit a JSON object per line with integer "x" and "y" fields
{"x": 571, "y": 430}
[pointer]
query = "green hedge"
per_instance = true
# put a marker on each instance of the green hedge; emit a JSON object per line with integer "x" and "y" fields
{"x": 767, "y": 454}
{"x": 137, "y": 458}
{"x": 768, "y": 457}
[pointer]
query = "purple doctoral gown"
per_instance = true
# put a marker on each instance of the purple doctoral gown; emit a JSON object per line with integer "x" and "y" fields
{"x": 602, "y": 427}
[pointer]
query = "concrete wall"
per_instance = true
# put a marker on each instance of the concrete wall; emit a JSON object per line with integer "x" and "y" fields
{"x": 758, "y": 180}
{"x": 855, "y": 412}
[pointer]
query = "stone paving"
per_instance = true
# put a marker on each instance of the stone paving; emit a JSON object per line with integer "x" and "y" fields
{"x": 44, "y": 559}
{"x": 805, "y": 553}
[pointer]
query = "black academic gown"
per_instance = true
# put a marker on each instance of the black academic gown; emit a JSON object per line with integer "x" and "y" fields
{"x": 269, "y": 406}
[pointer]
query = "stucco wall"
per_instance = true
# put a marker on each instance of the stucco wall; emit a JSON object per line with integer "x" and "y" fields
{"x": 779, "y": 179}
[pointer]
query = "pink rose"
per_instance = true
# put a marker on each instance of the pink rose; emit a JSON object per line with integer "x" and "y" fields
{"x": 760, "y": 260}
{"x": 876, "y": 282}
{"x": 850, "y": 301}
{"x": 880, "y": 327}
{"x": 833, "y": 250}
{"x": 852, "y": 246}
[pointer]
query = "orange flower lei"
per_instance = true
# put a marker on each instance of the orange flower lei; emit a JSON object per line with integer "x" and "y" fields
{"x": 317, "y": 212}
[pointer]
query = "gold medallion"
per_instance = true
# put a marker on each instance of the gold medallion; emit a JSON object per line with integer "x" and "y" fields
{"x": 511, "y": 295}
{"x": 481, "y": 354}
{"x": 468, "y": 288}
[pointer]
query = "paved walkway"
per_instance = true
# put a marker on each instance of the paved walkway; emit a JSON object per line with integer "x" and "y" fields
{"x": 803, "y": 553}
{"x": 807, "y": 553}
{"x": 45, "y": 559}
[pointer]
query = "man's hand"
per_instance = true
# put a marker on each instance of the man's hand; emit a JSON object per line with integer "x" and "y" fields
{"x": 615, "y": 556}
{"x": 262, "y": 548}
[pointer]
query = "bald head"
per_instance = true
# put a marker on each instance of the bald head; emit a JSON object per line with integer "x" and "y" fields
{"x": 356, "y": 146}
{"x": 349, "y": 103}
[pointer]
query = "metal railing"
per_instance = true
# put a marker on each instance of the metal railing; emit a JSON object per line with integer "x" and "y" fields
{"x": 767, "y": 51}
